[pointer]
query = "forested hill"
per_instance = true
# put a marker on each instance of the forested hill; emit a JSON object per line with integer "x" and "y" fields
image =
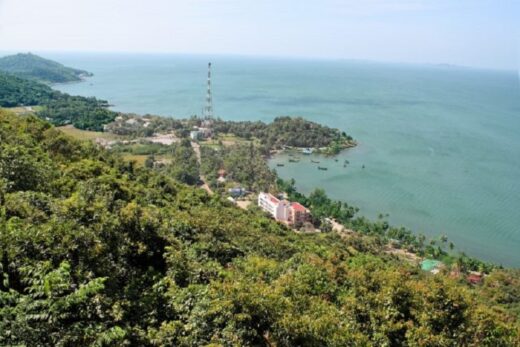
{"x": 59, "y": 108}
{"x": 94, "y": 251}
{"x": 287, "y": 131}
{"x": 16, "y": 91}
{"x": 28, "y": 65}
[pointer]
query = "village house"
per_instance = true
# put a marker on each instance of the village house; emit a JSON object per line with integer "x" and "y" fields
{"x": 237, "y": 192}
{"x": 195, "y": 134}
{"x": 292, "y": 213}
{"x": 198, "y": 133}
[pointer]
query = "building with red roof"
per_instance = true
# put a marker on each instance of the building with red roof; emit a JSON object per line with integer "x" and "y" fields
{"x": 298, "y": 214}
{"x": 292, "y": 213}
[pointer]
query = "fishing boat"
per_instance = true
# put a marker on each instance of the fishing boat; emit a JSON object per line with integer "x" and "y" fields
{"x": 294, "y": 160}
{"x": 322, "y": 168}
{"x": 336, "y": 159}
{"x": 315, "y": 161}
{"x": 280, "y": 164}
{"x": 347, "y": 162}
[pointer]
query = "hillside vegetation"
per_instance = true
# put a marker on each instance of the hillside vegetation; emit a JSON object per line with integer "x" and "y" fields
{"x": 31, "y": 66}
{"x": 96, "y": 252}
{"x": 59, "y": 108}
{"x": 287, "y": 131}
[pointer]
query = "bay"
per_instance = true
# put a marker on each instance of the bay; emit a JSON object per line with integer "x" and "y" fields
{"x": 440, "y": 145}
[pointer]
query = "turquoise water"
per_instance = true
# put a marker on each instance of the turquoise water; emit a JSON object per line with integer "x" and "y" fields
{"x": 440, "y": 145}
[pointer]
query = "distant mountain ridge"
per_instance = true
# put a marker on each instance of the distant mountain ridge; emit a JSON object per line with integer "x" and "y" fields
{"x": 28, "y": 65}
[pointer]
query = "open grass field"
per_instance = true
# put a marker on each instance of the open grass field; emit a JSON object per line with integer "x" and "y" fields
{"x": 21, "y": 110}
{"x": 228, "y": 140}
{"x": 139, "y": 159}
{"x": 88, "y": 135}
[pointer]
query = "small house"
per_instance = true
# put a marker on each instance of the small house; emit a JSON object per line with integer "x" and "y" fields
{"x": 430, "y": 265}
{"x": 474, "y": 277}
{"x": 194, "y": 134}
{"x": 237, "y": 192}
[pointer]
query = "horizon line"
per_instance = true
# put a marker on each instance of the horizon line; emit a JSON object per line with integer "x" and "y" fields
{"x": 263, "y": 56}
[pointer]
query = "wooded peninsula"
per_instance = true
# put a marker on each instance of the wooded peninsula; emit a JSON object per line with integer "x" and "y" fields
{"x": 106, "y": 239}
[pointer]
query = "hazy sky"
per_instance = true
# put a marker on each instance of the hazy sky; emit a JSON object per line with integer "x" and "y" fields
{"x": 466, "y": 32}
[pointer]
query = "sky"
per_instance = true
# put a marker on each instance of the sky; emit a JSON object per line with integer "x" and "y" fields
{"x": 479, "y": 33}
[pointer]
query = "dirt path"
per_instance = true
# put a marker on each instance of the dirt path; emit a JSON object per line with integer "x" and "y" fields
{"x": 243, "y": 204}
{"x": 205, "y": 186}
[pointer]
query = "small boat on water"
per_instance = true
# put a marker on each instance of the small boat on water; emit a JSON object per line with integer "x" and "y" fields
{"x": 294, "y": 160}
{"x": 315, "y": 161}
{"x": 322, "y": 168}
{"x": 336, "y": 159}
{"x": 307, "y": 151}
{"x": 347, "y": 162}
{"x": 280, "y": 164}
{"x": 363, "y": 166}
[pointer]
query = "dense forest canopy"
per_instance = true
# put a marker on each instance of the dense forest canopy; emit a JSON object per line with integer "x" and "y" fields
{"x": 243, "y": 164}
{"x": 94, "y": 251}
{"x": 286, "y": 131}
{"x": 15, "y": 91}
{"x": 59, "y": 108}
{"x": 31, "y": 66}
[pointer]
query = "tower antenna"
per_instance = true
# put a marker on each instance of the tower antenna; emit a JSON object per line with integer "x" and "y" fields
{"x": 208, "y": 109}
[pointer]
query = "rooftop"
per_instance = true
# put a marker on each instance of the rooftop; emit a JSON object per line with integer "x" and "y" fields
{"x": 298, "y": 207}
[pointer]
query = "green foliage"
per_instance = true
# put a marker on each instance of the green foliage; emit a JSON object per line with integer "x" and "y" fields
{"x": 143, "y": 126}
{"x": 31, "y": 66}
{"x": 106, "y": 254}
{"x": 59, "y": 108}
{"x": 83, "y": 113}
{"x": 287, "y": 131}
{"x": 503, "y": 288}
{"x": 243, "y": 163}
{"x": 184, "y": 167}
{"x": 52, "y": 309}
{"x": 15, "y": 91}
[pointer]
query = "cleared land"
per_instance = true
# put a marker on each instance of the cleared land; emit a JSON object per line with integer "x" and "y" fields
{"x": 87, "y": 134}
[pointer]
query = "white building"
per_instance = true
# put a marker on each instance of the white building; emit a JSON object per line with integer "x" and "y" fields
{"x": 194, "y": 135}
{"x": 276, "y": 207}
{"x": 283, "y": 210}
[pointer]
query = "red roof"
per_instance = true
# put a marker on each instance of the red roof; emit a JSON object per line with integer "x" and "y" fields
{"x": 273, "y": 199}
{"x": 474, "y": 278}
{"x": 298, "y": 207}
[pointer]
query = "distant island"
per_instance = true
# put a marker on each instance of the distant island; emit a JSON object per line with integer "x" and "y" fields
{"x": 28, "y": 65}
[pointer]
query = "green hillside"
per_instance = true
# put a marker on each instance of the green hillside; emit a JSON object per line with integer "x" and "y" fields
{"x": 95, "y": 252}
{"x": 59, "y": 108}
{"x": 16, "y": 91}
{"x": 28, "y": 65}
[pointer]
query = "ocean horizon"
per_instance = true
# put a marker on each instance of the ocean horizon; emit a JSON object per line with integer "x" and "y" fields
{"x": 439, "y": 144}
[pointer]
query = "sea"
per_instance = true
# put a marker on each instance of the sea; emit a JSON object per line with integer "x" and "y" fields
{"x": 438, "y": 145}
